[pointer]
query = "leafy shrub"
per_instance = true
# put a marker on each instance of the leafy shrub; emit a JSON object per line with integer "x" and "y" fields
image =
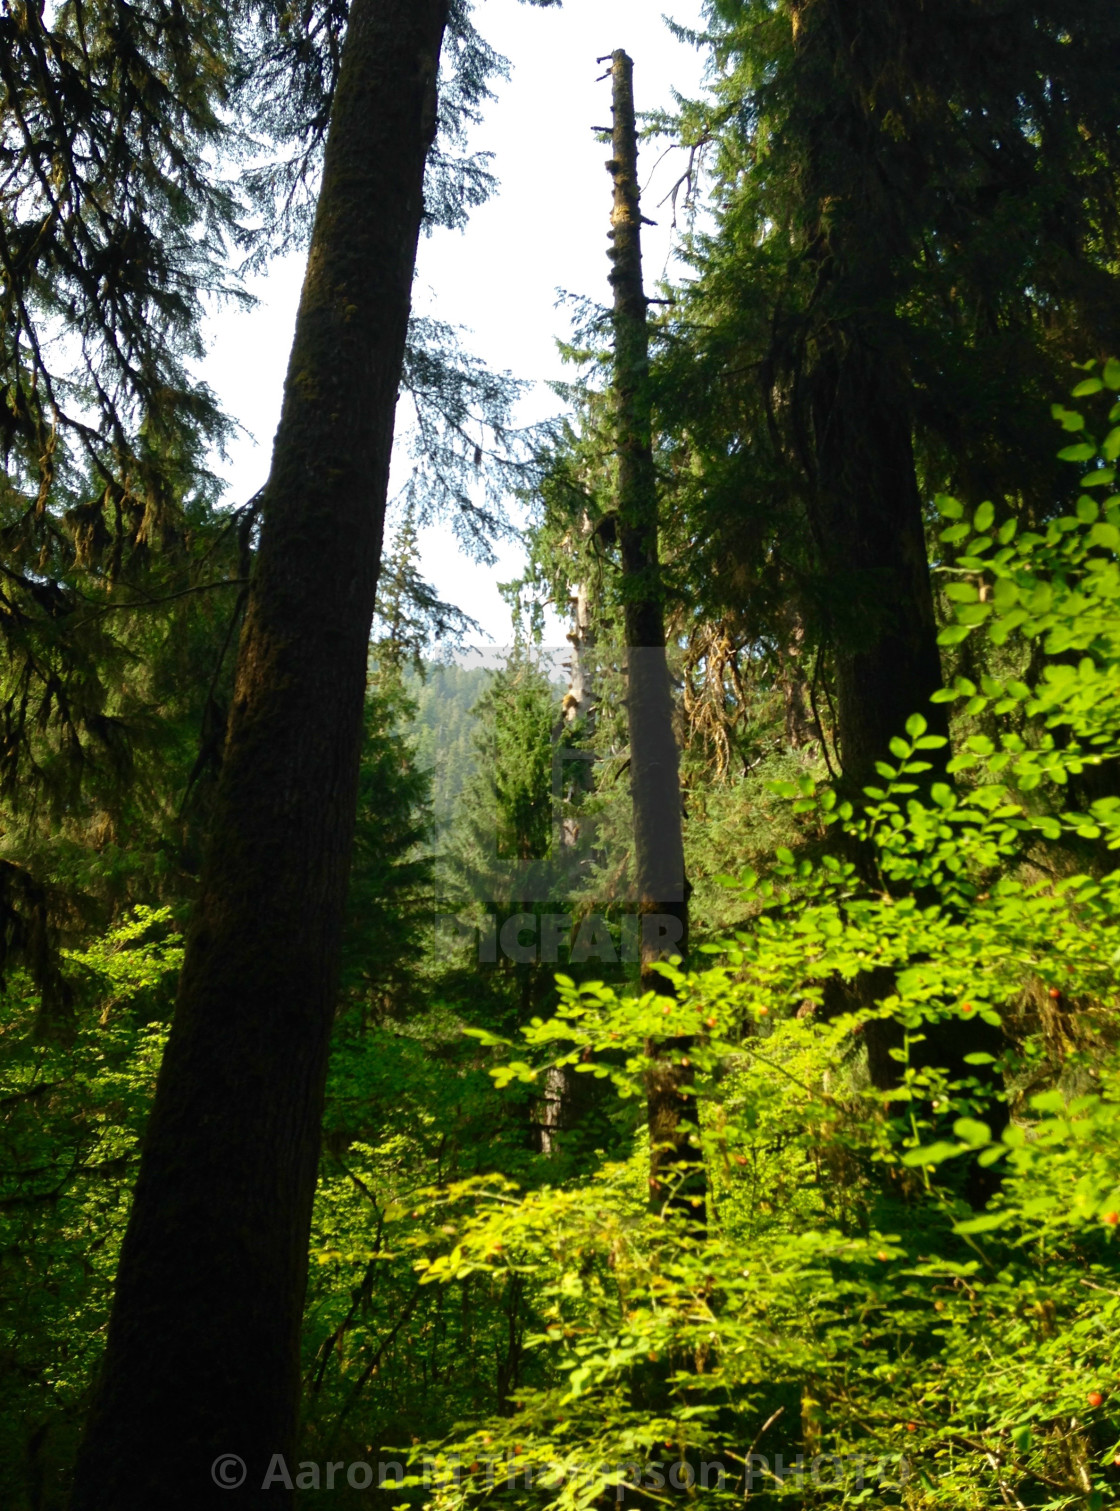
{"x": 911, "y": 1287}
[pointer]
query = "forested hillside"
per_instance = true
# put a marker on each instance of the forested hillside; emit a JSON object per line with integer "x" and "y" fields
{"x": 428, "y": 1082}
{"x": 445, "y": 729}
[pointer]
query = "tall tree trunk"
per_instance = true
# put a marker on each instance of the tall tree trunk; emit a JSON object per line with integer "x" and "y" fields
{"x": 203, "y": 1350}
{"x": 854, "y": 414}
{"x": 870, "y": 537}
{"x": 654, "y": 761}
{"x": 867, "y": 520}
{"x": 853, "y": 404}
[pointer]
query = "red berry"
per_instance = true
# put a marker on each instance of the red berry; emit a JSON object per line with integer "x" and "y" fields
{"x": 966, "y": 1007}
{"x": 1112, "y": 1218}
{"x": 1095, "y": 1398}
{"x": 1055, "y": 993}
{"x": 911, "y": 1427}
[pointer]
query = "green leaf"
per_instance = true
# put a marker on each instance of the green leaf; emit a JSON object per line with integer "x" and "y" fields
{"x": 1021, "y": 1436}
{"x": 1105, "y": 535}
{"x": 1082, "y": 452}
{"x": 985, "y": 514}
{"x": 974, "y": 613}
{"x": 932, "y": 1154}
{"x": 1048, "y": 1101}
{"x": 916, "y": 726}
{"x": 1111, "y": 374}
{"x": 975, "y": 1133}
{"x": 1069, "y": 419}
{"x": 987, "y": 1222}
{"x": 961, "y": 592}
{"x": 1086, "y": 387}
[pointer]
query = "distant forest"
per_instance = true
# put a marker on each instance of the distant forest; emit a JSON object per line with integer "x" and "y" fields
{"x": 445, "y": 731}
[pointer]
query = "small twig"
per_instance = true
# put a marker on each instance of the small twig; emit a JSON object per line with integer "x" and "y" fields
{"x": 1104, "y": 1290}
{"x": 817, "y": 716}
{"x": 1008, "y": 1498}
{"x": 367, "y": 1373}
{"x": 759, "y": 1435}
{"x": 149, "y": 603}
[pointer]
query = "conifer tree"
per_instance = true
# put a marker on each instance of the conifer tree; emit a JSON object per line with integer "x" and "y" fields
{"x": 203, "y": 1353}
{"x": 118, "y": 578}
{"x": 917, "y": 220}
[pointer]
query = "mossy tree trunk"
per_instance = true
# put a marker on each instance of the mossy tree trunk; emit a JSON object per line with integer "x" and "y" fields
{"x": 203, "y": 1349}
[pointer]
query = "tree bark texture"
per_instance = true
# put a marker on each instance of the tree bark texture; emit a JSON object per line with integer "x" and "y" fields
{"x": 856, "y": 425}
{"x": 852, "y": 398}
{"x": 654, "y": 758}
{"x": 867, "y": 519}
{"x": 202, "y": 1361}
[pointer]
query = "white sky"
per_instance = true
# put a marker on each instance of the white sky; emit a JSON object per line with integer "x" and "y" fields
{"x": 545, "y": 230}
